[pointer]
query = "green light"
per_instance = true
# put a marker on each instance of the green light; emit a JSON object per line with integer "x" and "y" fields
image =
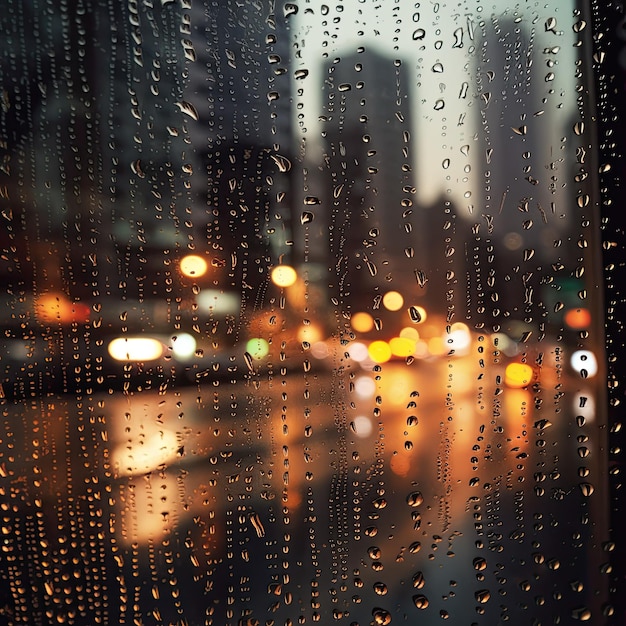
{"x": 258, "y": 348}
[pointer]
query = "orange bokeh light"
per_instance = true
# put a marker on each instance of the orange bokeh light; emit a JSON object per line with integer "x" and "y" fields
{"x": 578, "y": 318}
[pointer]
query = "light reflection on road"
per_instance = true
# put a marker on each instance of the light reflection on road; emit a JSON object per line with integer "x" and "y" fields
{"x": 339, "y": 487}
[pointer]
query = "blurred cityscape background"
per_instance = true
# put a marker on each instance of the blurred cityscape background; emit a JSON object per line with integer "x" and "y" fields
{"x": 350, "y": 255}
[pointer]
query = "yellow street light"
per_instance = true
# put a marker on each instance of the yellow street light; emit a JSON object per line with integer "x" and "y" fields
{"x": 284, "y": 276}
{"x": 193, "y": 265}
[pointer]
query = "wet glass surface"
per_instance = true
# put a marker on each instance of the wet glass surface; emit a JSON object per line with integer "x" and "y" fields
{"x": 309, "y": 313}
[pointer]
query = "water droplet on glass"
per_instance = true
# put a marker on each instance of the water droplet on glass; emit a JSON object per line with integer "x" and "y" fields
{"x": 420, "y": 601}
{"x": 415, "y": 314}
{"x": 482, "y": 596}
{"x": 381, "y": 617}
{"x": 587, "y": 489}
{"x": 374, "y": 552}
{"x": 380, "y": 588}
{"x": 415, "y": 547}
{"x": 479, "y": 564}
{"x": 418, "y": 580}
{"x": 582, "y": 614}
{"x": 290, "y": 9}
{"x": 188, "y": 109}
{"x": 419, "y": 34}
{"x": 415, "y": 498}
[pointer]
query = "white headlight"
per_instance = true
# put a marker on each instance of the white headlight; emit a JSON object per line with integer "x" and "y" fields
{"x": 584, "y": 362}
{"x": 135, "y": 349}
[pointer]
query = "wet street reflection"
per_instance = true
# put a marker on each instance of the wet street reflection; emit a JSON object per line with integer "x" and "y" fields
{"x": 354, "y": 494}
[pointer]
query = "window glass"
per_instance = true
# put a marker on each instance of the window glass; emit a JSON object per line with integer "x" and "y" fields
{"x": 309, "y": 312}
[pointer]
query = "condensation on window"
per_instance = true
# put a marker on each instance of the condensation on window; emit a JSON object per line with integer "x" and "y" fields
{"x": 309, "y": 313}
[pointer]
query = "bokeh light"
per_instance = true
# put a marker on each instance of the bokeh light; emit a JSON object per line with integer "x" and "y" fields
{"x": 402, "y": 346}
{"x": 584, "y": 362}
{"x": 284, "y": 276}
{"x": 393, "y": 301}
{"x": 518, "y": 375}
{"x": 183, "y": 345}
{"x": 379, "y": 351}
{"x": 362, "y": 322}
{"x": 578, "y": 318}
{"x": 193, "y": 265}
{"x": 257, "y": 348}
{"x": 135, "y": 349}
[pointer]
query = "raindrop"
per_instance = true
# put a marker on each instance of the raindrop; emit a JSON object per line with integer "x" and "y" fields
{"x": 419, "y": 34}
{"x": 415, "y": 547}
{"x": 257, "y": 524}
{"x": 439, "y": 104}
{"x": 374, "y": 552}
{"x": 482, "y": 596}
{"x": 306, "y": 217}
{"x": 458, "y": 38}
{"x": 418, "y": 580}
{"x": 188, "y": 109}
{"x": 310, "y": 200}
{"x": 302, "y": 73}
{"x": 415, "y": 498}
{"x": 420, "y": 601}
{"x": 550, "y": 24}
{"x": 290, "y": 9}
{"x": 284, "y": 164}
{"x": 415, "y": 315}
{"x": 582, "y": 614}
{"x": 381, "y": 617}
{"x": 248, "y": 359}
{"x": 587, "y": 489}
{"x": 380, "y": 588}
{"x": 437, "y": 68}
{"x": 479, "y": 563}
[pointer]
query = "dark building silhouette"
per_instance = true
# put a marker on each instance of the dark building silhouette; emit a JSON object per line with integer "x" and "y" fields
{"x": 525, "y": 206}
{"x": 368, "y": 194}
{"x": 240, "y": 89}
{"x": 377, "y": 235}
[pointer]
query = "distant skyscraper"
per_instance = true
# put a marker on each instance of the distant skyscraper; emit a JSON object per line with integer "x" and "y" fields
{"x": 368, "y": 195}
{"x": 240, "y": 88}
{"x": 524, "y": 204}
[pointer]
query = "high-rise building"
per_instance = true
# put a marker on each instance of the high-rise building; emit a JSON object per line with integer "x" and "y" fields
{"x": 239, "y": 89}
{"x": 368, "y": 195}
